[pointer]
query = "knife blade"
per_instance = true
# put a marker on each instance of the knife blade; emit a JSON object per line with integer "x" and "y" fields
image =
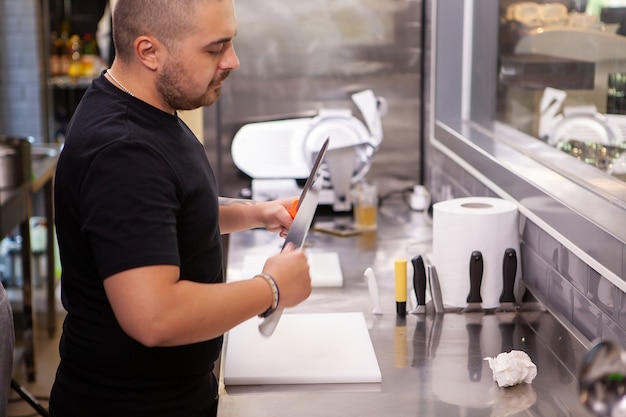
{"x": 509, "y": 270}
{"x": 306, "y": 207}
{"x": 372, "y": 287}
{"x": 435, "y": 289}
{"x": 419, "y": 284}
{"x": 474, "y": 298}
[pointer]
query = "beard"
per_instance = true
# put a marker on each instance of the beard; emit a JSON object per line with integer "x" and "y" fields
{"x": 177, "y": 94}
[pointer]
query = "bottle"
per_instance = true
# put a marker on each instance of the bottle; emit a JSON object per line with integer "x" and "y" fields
{"x": 74, "y": 47}
{"x": 61, "y": 45}
{"x": 616, "y": 93}
{"x": 56, "y": 50}
{"x": 89, "y": 56}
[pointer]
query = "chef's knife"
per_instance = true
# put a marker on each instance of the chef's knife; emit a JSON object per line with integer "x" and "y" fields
{"x": 307, "y": 204}
{"x": 509, "y": 270}
{"x": 419, "y": 283}
{"x": 474, "y": 299}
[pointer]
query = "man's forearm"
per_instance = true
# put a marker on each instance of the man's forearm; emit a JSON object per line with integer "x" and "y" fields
{"x": 237, "y": 214}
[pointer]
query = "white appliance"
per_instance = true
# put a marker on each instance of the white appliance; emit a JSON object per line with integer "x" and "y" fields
{"x": 596, "y": 138}
{"x": 275, "y": 154}
{"x": 559, "y": 123}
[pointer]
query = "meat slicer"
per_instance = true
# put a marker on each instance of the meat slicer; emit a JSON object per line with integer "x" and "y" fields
{"x": 277, "y": 154}
{"x": 581, "y": 122}
{"x": 595, "y": 138}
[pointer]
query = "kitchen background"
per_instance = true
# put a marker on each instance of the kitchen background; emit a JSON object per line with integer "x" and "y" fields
{"x": 296, "y": 58}
{"x": 299, "y": 57}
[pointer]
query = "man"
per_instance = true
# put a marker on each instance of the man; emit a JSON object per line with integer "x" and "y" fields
{"x": 139, "y": 224}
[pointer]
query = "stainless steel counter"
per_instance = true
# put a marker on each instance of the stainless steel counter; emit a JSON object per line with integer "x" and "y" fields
{"x": 431, "y": 365}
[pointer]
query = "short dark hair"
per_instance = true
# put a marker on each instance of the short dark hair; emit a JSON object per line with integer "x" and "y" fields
{"x": 166, "y": 20}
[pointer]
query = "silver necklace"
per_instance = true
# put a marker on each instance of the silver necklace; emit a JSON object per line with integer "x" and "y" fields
{"x": 120, "y": 84}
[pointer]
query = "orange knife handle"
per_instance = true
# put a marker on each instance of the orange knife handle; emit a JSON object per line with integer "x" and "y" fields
{"x": 294, "y": 208}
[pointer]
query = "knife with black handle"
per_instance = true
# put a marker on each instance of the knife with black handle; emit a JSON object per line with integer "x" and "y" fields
{"x": 509, "y": 270}
{"x": 474, "y": 299}
{"x": 419, "y": 283}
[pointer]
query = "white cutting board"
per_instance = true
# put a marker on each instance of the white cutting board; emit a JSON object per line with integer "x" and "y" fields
{"x": 328, "y": 348}
{"x": 325, "y": 268}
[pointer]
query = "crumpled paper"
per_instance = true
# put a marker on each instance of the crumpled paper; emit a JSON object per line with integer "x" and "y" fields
{"x": 512, "y": 368}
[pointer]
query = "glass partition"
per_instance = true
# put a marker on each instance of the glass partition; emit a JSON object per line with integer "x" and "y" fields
{"x": 562, "y": 77}
{"x": 518, "y": 98}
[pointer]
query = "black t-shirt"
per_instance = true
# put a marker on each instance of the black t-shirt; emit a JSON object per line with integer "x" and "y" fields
{"x": 133, "y": 188}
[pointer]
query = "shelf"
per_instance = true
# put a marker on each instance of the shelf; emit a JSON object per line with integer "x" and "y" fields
{"x": 67, "y": 82}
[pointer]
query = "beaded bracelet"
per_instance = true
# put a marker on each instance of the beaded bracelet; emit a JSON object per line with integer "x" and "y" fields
{"x": 275, "y": 294}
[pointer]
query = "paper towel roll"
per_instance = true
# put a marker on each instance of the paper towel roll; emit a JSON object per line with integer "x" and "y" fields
{"x": 464, "y": 225}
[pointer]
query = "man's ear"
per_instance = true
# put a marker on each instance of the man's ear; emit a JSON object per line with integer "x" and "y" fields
{"x": 148, "y": 50}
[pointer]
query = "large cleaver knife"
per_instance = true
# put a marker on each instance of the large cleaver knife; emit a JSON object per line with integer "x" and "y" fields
{"x": 305, "y": 210}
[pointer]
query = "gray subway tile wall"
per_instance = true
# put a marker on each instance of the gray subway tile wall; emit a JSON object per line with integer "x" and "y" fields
{"x": 574, "y": 270}
{"x": 602, "y": 293}
{"x": 620, "y": 316}
{"x": 560, "y": 294}
{"x": 549, "y": 249}
{"x": 588, "y": 302}
{"x": 624, "y": 261}
{"x": 608, "y": 254}
{"x": 20, "y": 70}
{"x": 611, "y": 330}
{"x": 536, "y": 273}
{"x": 587, "y": 318}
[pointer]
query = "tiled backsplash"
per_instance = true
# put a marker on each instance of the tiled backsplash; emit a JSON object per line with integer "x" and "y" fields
{"x": 21, "y": 112}
{"x": 564, "y": 283}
